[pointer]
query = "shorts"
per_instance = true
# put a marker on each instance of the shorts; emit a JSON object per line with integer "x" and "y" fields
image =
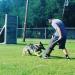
{"x": 60, "y": 43}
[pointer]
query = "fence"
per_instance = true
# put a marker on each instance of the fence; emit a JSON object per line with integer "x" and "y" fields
{"x": 43, "y": 33}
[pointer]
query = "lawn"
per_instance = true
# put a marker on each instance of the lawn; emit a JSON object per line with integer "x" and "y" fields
{"x": 13, "y": 63}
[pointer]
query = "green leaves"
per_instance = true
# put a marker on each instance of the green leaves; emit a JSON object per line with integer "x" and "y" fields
{"x": 38, "y": 10}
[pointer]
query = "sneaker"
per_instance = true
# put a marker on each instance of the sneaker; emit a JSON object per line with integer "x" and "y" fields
{"x": 67, "y": 57}
{"x": 46, "y": 57}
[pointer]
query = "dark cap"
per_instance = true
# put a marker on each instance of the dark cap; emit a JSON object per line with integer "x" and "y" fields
{"x": 50, "y": 17}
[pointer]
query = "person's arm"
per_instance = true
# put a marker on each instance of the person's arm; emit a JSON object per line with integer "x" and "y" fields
{"x": 56, "y": 27}
{"x": 59, "y": 32}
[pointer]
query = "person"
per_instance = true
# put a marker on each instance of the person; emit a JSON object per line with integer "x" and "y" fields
{"x": 59, "y": 37}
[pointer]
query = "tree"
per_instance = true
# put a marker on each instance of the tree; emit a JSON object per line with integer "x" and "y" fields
{"x": 5, "y": 6}
{"x": 38, "y": 11}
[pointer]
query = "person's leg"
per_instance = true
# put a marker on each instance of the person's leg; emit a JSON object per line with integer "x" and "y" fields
{"x": 66, "y": 53}
{"x": 62, "y": 43}
{"x": 48, "y": 51}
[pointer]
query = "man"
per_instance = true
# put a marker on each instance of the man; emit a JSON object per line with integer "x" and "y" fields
{"x": 59, "y": 37}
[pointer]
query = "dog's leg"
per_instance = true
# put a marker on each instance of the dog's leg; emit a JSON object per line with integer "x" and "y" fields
{"x": 36, "y": 53}
{"x": 29, "y": 52}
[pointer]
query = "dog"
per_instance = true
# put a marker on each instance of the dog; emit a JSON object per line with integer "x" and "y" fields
{"x": 33, "y": 49}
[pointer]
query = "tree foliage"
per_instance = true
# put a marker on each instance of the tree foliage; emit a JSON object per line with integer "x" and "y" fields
{"x": 38, "y": 11}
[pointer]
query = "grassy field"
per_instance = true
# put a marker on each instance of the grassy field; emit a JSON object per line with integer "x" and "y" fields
{"x": 13, "y": 63}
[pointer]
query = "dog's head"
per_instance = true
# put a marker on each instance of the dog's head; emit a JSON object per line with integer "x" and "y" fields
{"x": 41, "y": 47}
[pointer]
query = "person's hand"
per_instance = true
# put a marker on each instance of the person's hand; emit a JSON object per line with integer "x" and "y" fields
{"x": 59, "y": 37}
{"x": 52, "y": 36}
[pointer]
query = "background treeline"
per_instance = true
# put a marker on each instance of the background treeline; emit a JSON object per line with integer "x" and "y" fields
{"x": 38, "y": 11}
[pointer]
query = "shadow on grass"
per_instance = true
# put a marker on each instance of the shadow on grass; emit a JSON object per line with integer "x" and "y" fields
{"x": 59, "y": 57}
{"x": 72, "y": 58}
{"x": 54, "y": 57}
{"x": 21, "y": 44}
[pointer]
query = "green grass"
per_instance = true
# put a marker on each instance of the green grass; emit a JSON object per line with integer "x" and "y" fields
{"x": 13, "y": 63}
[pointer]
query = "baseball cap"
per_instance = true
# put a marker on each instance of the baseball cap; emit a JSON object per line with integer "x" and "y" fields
{"x": 50, "y": 17}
